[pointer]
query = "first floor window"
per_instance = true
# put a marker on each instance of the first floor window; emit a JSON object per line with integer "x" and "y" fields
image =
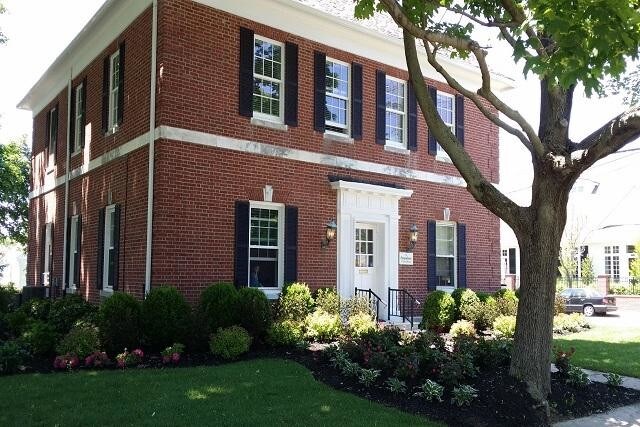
{"x": 268, "y": 76}
{"x": 612, "y": 262}
{"x": 395, "y": 112}
{"x": 337, "y": 96}
{"x": 47, "y": 253}
{"x": 74, "y": 252}
{"x": 446, "y": 106}
{"x": 630, "y": 249}
{"x": 445, "y": 254}
{"x": 109, "y": 260}
{"x": 266, "y": 241}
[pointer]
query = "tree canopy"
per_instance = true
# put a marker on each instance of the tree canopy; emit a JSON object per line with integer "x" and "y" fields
{"x": 15, "y": 168}
{"x": 3, "y": 38}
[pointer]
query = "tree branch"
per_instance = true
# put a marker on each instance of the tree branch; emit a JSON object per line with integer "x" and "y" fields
{"x": 518, "y": 15}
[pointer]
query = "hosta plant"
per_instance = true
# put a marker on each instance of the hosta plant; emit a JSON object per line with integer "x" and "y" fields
{"x": 613, "y": 379}
{"x": 431, "y": 390}
{"x": 463, "y": 395}
{"x": 368, "y": 376}
{"x": 396, "y": 386}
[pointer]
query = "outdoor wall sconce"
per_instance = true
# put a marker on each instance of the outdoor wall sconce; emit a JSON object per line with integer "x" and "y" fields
{"x": 413, "y": 237}
{"x": 330, "y": 233}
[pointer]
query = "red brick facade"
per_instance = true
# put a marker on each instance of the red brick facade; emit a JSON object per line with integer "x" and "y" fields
{"x": 196, "y": 186}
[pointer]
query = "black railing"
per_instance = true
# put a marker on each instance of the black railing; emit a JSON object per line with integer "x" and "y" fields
{"x": 402, "y": 304}
{"x": 373, "y": 298}
{"x": 617, "y": 285}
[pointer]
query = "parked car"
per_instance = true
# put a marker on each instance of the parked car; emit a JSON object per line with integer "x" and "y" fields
{"x": 587, "y": 301}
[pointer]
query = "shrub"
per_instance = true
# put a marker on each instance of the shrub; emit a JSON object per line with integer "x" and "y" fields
{"x": 172, "y": 354}
{"x": 438, "y": 312}
{"x": 8, "y": 297}
{"x": 562, "y": 359}
{"x": 322, "y": 326}
{"x": 431, "y": 390}
{"x": 65, "y": 312}
{"x": 356, "y": 305}
{"x": 485, "y": 313}
{"x": 368, "y": 376}
{"x": 165, "y": 318}
{"x": 36, "y": 308}
{"x": 396, "y": 386}
{"x": 469, "y": 305}
{"x": 359, "y": 324}
{"x": 17, "y": 322}
{"x": 506, "y": 302}
{"x": 558, "y": 305}
{"x": 295, "y": 302}
{"x": 12, "y": 355}
{"x": 462, "y": 328}
{"x": 286, "y": 333}
{"x": 457, "y": 296}
{"x": 81, "y": 340}
{"x": 68, "y": 361}
{"x": 569, "y": 323}
{"x": 494, "y": 353}
{"x": 230, "y": 343}
{"x": 119, "y": 322}
{"x": 613, "y": 380}
{"x": 127, "y": 359}
{"x": 328, "y": 300}
{"x": 97, "y": 360}
{"x": 463, "y": 395}
{"x": 40, "y": 337}
{"x": 505, "y": 326}
{"x": 577, "y": 377}
{"x": 218, "y": 305}
{"x": 254, "y": 311}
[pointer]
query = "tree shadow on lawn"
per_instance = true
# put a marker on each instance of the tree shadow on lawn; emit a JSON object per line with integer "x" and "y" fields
{"x": 621, "y": 358}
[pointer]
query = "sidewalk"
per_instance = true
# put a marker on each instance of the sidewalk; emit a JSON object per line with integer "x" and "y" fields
{"x": 628, "y": 416}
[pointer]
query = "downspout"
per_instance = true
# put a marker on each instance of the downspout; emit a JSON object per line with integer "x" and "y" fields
{"x": 152, "y": 139}
{"x": 66, "y": 182}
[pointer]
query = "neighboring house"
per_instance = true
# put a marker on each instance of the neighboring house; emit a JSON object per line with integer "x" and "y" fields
{"x": 265, "y": 124}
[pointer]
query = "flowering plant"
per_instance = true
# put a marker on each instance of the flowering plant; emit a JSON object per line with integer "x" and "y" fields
{"x": 68, "y": 361}
{"x": 97, "y": 359}
{"x": 172, "y": 354}
{"x": 563, "y": 359}
{"x": 129, "y": 359}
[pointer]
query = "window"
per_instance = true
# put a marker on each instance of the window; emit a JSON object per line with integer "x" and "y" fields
{"x": 47, "y": 253}
{"x": 337, "y": 97}
{"x": 612, "y": 261}
{"x": 268, "y": 72}
{"x": 395, "y": 113}
{"x": 78, "y": 119}
{"x": 266, "y": 238}
{"x": 631, "y": 249}
{"x": 364, "y": 247}
{"x": 52, "y": 135}
{"x": 114, "y": 88}
{"x": 504, "y": 252}
{"x": 109, "y": 260}
{"x": 446, "y": 108}
{"x": 445, "y": 254}
{"x": 73, "y": 252}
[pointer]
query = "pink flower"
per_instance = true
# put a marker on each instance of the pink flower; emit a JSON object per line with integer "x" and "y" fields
{"x": 121, "y": 363}
{"x": 175, "y": 357}
{"x": 89, "y": 360}
{"x": 138, "y": 352}
{"x": 58, "y": 363}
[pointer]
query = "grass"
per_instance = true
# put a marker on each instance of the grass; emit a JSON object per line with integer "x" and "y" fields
{"x": 259, "y": 392}
{"x": 606, "y": 349}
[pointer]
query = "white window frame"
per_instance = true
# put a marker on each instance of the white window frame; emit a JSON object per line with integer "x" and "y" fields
{"x": 270, "y": 291}
{"x": 77, "y": 132}
{"x": 53, "y": 137}
{"x": 73, "y": 246}
{"x": 114, "y": 90}
{"x": 439, "y": 150}
{"x": 258, "y": 114}
{"x": 48, "y": 251}
{"x": 109, "y": 215}
{"x": 346, "y": 127}
{"x": 453, "y": 225}
{"x": 403, "y": 143}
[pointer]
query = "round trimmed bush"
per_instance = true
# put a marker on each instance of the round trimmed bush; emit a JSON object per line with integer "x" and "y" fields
{"x": 286, "y": 333}
{"x": 254, "y": 311}
{"x": 295, "y": 302}
{"x": 40, "y": 337}
{"x": 438, "y": 312}
{"x": 65, "y": 312}
{"x": 119, "y": 323}
{"x": 456, "y": 295}
{"x": 327, "y": 299}
{"x": 165, "y": 318}
{"x": 359, "y": 324}
{"x": 219, "y": 306}
{"x": 82, "y": 340}
{"x": 230, "y": 343}
{"x": 8, "y": 298}
{"x": 505, "y": 326}
{"x": 469, "y": 305}
{"x": 507, "y": 302}
{"x": 323, "y": 326}
{"x": 462, "y": 328}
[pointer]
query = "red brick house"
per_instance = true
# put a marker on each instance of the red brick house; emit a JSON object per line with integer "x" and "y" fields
{"x": 185, "y": 142}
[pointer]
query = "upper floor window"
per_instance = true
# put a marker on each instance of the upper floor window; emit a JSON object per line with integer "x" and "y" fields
{"x": 52, "y": 135}
{"x": 396, "y": 117}
{"x": 337, "y": 112}
{"x": 78, "y": 118}
{"x": 446, "y": 254}
{"x": 114, "y": 89}
{"x": 447, "y": 109}
{"x": 268, "y": 76}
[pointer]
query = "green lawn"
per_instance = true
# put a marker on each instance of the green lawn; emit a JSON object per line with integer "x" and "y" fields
{"x": 606, "y": 348}
{"x": 258, "y": 392}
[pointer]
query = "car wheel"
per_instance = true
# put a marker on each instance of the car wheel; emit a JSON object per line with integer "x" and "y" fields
{"x": 588, "y": 310}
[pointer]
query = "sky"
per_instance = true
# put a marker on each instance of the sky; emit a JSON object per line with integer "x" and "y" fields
{"x": 39, "y": 30}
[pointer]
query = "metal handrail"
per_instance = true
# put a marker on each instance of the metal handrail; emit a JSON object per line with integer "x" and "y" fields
{"x": 402, "y": 311}
{"x": 372, "y": 295}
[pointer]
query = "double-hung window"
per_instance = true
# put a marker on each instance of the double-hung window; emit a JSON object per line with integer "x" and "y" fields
{"x": 338, "y": 110}
{"x": 612, "y": 261}
{"x": 78, "y": 119}
{"x": 268, "y": 79}
{"x": 114, "y": 89}
{"x": 52, "y": 135}
{"x": 266, "y": 245}
{"x": 446, "y": 105}
{"x": 109, "y": 260}
{"x": 47, "y": 253}
{"x": 396, "y": 108}
{"x": 446, "y": 254}
{"x": 73, "y": 254}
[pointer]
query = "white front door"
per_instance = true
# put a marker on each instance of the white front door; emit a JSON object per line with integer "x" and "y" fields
{"x": 365, "y": 259}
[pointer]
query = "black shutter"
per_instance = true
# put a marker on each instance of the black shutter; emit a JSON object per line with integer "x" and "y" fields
{"x": 48, "y": 137}
{"x": 116, "y": 248}
{"x": 67, "y": 250}
{"x": 100, "y": 264}
{"x": 245, "y": 85}
{"x": 241, "y": 267}
{"x": 105, "y": 95}
{"x": 460, "y": 119}
{"x": 356, "y": 101}
{"x": 291, "y": 84}
{"x": 512, "y": 260}
{"x": 462, "y": 255}
{"x": 72, "y": 121}
{"x": 43, "y": 253}
{"x": 412, "y": 118}
{"x": 319, "y": 85}
{"x": 381, "y": 107}
{"x": 54, "y": 143}
{"x": 83, "y": 121}
{"x": 121, "y": 57}
{"x": 433, "y": 144}
{"x": 290, "y": 244}
{"x": 431, "y": 256}
{"x": 78, "y": 256}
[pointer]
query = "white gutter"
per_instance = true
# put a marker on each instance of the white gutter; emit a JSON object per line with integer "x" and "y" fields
{"x": 152, "y": 128}
{"x": 66, "y": 181}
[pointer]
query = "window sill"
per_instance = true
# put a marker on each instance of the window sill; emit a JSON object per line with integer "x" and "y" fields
{"x": 448, "y": 289}
{"x": 71, "y": 290}
{"x": 269, "y": 124}
{"x": 271, "y": 293}
{"x": 397, "y": 150}
{"x": 112, "y": 131}
{"x": 75, "y": 153}
{"x": 50, "y": 169}
{"x": 337, "y": 137}
{"x": 105, "y": 293}
{"x": 444, "y": 159}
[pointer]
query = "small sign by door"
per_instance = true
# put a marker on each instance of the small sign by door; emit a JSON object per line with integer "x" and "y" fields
{"x": 406, "y": 258}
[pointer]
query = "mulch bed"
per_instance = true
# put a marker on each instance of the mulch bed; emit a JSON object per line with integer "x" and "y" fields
{"x": 501, "y": 401}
